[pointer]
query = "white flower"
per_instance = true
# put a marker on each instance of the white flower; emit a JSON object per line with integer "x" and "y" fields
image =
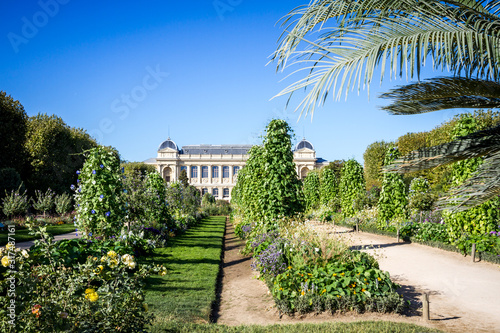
{"x": 316, "y": 249}
{"x": 25, "y": 253}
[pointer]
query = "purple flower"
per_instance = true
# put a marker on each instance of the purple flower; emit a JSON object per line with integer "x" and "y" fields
{"x": 77, "y": 172}
{"x": 92, "y": 211}
{"x": 108, "y": 214}
{"x": 102, "y": 166}
{"x": 101, "y": 196}
{"x": 93, "y": 172}
{"x": 72, "y": 187}
{"x": 78, "y": 180}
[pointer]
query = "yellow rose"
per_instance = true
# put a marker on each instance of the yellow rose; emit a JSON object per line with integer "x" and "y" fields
{"x": 25, "y": 253}
{"x": 131, "y": 264}
{"x": 113, "y": 263}
{"x": 5, "y": 261}
{"x": 9, "y": 247}
{"x": 163, "y": 271}
{"x": 99, "y": 269}
{"x": 103, "y": 259}
{"x": 91, "y": 295}
{"x": 112, "y": 254}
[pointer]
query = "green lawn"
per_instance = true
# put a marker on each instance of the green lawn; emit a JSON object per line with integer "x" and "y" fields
{"x": 22, "y": 235}
{"x": 188, "y": 291}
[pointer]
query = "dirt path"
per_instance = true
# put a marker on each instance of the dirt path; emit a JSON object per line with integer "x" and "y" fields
{"x": 465, "y": 297}
{"x": 28, "y": 244}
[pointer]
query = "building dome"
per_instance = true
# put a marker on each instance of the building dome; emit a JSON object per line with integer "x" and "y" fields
{"x": 168, "y": 144}
{"x": 304, "y": 144}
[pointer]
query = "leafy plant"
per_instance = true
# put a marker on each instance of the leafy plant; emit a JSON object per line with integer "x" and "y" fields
{"x": 99, "y": 195}
{"x": 352, "y": 184}
{"x": 44, "y": 201}
{"x": 63, "y": 203}
{"x": 15, "y": 204}
{"x": 392, "y": 202}
{"x": 329, "y": 189}
{"x": 311, "y": 190}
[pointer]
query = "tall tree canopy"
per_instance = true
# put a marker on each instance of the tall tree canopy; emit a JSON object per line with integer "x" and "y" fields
{"x": 354, "y": 38}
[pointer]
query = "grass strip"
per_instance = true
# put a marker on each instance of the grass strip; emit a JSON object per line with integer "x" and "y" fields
{"x": 22, "y": 235}
{"x": 333, "y": 327}
{"x": 188, "y": 292}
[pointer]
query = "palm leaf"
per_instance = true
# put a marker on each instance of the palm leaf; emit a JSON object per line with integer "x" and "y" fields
{"x": 346, "y": 55}
{"x": 481, "y": 187}
{"x": 443, "y": 93}
{"x": 477, "y": 144}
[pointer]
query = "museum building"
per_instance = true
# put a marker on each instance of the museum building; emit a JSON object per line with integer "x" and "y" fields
{"x": 214, "y": 168}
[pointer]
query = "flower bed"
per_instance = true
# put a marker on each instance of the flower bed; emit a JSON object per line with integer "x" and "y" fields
{"x": 307, "y": 272}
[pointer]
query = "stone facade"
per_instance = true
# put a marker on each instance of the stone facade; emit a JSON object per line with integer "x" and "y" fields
{"x": 214, "y": 168}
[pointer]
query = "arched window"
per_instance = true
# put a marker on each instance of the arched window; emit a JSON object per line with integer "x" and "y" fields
{"x": 225, "y": 172}
{"x": 204, "y": 172}
{"x": 235, "y": 170}
{"x": 215, "y": 172}
{"x": 166, "y": 174}
{"x": 215, "y": 192}
{"x": 203, "y": 191}
{"x": 194, "y": 172}
{"x": 225, "y": 193}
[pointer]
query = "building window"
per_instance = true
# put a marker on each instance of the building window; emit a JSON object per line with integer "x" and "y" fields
{"x": 215, "y": 172}
{"x": 204, "y": 191}
{"x": 194, "y": 172}
{"x": 225, "y": 172}
{"x": 215, "y": 192}
{"x": 235, "y": 170}
{"x": 225, "y": 193}
{"x": 204, "y": 172}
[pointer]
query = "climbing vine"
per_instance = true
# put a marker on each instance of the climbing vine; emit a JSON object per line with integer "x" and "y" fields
{"x": 352, "y": 184}
{"x": 329, "y": 188}
{"x": 393, "y": 200}
{"x": 311, "y": 190}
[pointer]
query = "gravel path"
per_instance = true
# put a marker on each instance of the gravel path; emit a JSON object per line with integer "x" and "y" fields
{"x": 28, "y": 244}
{"x": 464, "y": 296}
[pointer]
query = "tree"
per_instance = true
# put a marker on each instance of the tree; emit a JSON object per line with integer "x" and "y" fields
{"x": 13, "y": 127}
{"x": 55, "y": 153}
{"x": 360, "y": 36}
{"x": 183, "y": 178}
{"x": 328, "y": 187}
{"x": 374, "y": 160}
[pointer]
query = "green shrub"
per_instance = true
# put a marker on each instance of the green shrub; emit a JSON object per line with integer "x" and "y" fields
{"x": 311, "y": 190}
{"x": 44, "y": 201}
{"x": 63, "y": 203}
{"x": 420, "y": 197}
{"x": 392, "y": 202}
{"x": 15, "y": 204}
{"x": 157, "y": 211}
{"x": 352, "y": 184}
{"x": 329, "y": 189}
{"x": 99, "y": 195}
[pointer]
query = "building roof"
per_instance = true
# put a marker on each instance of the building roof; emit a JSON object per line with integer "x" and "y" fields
{"x": 304, "y": 144}
{"x": 216, "y": 149}
{"x": 168, "y": 144}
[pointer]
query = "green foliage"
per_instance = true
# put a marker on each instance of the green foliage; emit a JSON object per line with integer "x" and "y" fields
{"x": 183, "y": 178}
{"x": 63, "y": 203}
{"x": 420, "y": 197}
{"x": 183, "y": 201}
{"x": 99, "y": 195}
{"x": 90, "y": 294}
{"x": 474, "y": 224}
{"x": 336, "y": 166}
{"x": 268, "y": 187}
{"x": 373, "y": 161}
{"x": 44, "y": 202}
{"x": 311, "y": 190}
{"x": 329, "y": 189}
{"x": 15, "y": 204}
{"x": 352, "y": 184}
{"x": 9, "y": 180}
{"x": 55, "y": 153}
{"x": 13, "y": 120}
{"x": 142, "y": 168}
{"x": 392, "y": 202}
{"x": 157, "y": 211}
{"x": 207, "y": 199}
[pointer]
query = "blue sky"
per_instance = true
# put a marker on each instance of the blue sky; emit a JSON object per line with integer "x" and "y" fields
{"x": 132, "y": 72}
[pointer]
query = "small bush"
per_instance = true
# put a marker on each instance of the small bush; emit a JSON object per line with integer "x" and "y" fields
{"x": 44, "y": 201}
{"x": 63, "y": 203}
{"x": 15, "y": 204}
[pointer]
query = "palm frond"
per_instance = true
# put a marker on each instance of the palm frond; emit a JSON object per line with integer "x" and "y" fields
{"x": 481, "y": 143}
{"x": 371, "y": 34}
{"x": 443, "y": 93}
{"x": 481, "y": 187}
